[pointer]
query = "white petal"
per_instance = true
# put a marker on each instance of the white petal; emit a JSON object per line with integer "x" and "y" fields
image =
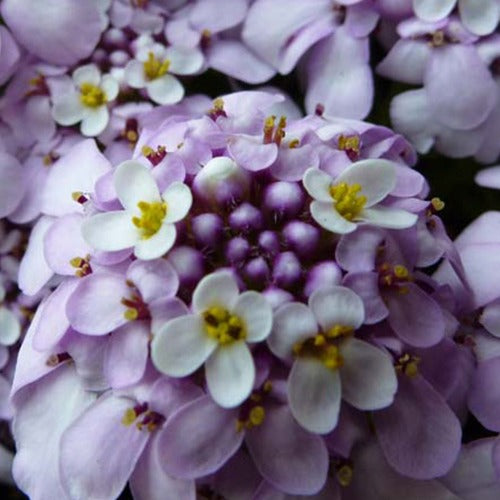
{"x": 314, "y": 395}
{"x": 165, "y": 90}
{"x": 376, "y": 177}
{"x": 257, "y": 313}
{"x": 68, "y": 110}
{"x": 94, "y": 121}
{"x": 326, "y": 216}
{"x": 230, "y": 373}
{"x": 317, "y": 184}
{"x": 87, "y": 74}
{"x": 337, "y": 305}
{"x": 179, "y": 200}
{"x": 110, "y": 87}
{"x": 216, "y": 289}
{"x": 432, "y": 10}
{"x": 369, "y": 381}
{"x": 392, "y": 218}
{"x": 134, "y": 74}
{"x": 479, "y": 16}
{"x": 181, "y": 346}
{"x": 110, "y": 231}
{"x": 184, "y": 61}
{"x": 133, "y": 183}
{"x": 157, "y": 245}
{"x": 10, "y": 329}
{"x": 292, "y": 322}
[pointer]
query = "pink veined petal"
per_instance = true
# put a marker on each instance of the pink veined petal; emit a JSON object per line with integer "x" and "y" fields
{"x": 230, "y": 374}
{"x": 368, "y": 378}
{"x": 108, "y": 458}
{"x": 314, "y": 395}
{"x": 165, "y": 90}
{"x": 181, "y": 346}
{"x": 110, "y": 231}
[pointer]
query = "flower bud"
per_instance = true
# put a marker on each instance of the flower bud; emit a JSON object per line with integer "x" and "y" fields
{"x": 301, "y": 237}
{"x": 287, "y": 269}
{"x": 283, "y": 199}
{"x": 207, "y": 229}
{"x": 322, "y": 275}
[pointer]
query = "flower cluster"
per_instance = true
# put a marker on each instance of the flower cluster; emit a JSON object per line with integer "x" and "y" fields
{"x": 242, "y": 289}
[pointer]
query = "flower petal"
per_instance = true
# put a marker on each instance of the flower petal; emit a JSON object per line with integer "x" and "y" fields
{"x": 94, "y": 121}
{"x": 134, "y": 74}
{"x": 110, "y": 231}
{"x": 325, "y": 214}
{"x": 184, "y": 61}
{"x": 68, "y": 109}
{"x": 368, "y": 378}
{"x": 430, "y": 10}
{"x": 230, "y": 373}
{"x": 317, "y": 184}
{"x": 10, "y": 328}
{"x": 391, "y": 218}
{"x": 134, "y": 183}
{"x": 337, "y": 305}
{"x": 257, "y": 313}
{"x": 314, "y": 395}
{"x": 216, "y": 289}
{"x": 165, "y": 90}
{"x": 181, "y": 346}
{"x": 179, "y": 199}
{"x": 479, "y": 16}
{"x": 89, "y": 73}
{"x": 158, "y": 244}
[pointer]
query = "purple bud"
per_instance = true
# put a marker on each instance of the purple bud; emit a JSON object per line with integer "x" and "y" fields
{"x": 245, "y": 218}
{"x": 287, "y": 270}
{"x": 115, "y": 38}
{"x": 207, "y": 229}
{"x": 188, "y": 263}
{"x": 119, "y": 58}
{"x": 257, "y": 271}
{"x": 322, "y": 275}
{"x": 237, "y": 250}
{"x": 99, "y": 57}
{"x": 284, "y": 199}
{"x": 269, "y": 242}
{"x": 276, "y": 296}
{"x": 301, "y": 237}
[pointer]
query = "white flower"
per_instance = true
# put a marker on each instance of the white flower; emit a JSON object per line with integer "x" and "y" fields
{"x": 88, "y": 101}
{"x": 217, "y": 332}
{"x": 152, "y": 67}
{"x": 329, "y": 361}
{"x": 354, "y": 196}
{"x": 147, "y": 223}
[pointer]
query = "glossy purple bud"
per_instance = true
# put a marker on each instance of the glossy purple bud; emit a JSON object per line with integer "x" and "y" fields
{"x": 207, "y": 229}
{"x": 188, "y": 263}
{"x": 301, "y": 237}
{"x": 237, "y": 250}
{"x": 257, "y": 271}
{"x": 269, "y": 243}
{"x": 284, "y": 199}
{"x": 287, "y": 269}
{"x": 322, "y": 275}
{"x": 245, "y": 218}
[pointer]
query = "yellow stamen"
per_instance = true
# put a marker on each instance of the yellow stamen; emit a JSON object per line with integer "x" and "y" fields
{"x": 408, "y": 365}
{"x": 92, "y": 96}
{"x": 131, "y": 314}
{"x": 347, "y": 201}
{"x": 256, "y": 417}
{"x": 438, "y": 39}
{"x": 223, "y": 326}
{"x": 294, "y": 143}
{"x": 401, "y": 272}
{"x": 151, "y": 219}
{"x": 154, "y": 68}
{"x": 437, "y": 204}
{"x": 147, "y": 151}
{"x": 129, "y": 417}
{"x": 348, "y": 142}
{"x": 344, "y": 475}
{"x": 339, "y": 331}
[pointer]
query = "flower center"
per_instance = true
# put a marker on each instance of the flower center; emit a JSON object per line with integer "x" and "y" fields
{"x": 347, "y": 201}
{"x": 394, "y": 277}
{"x": 407, "y": 364}
{"x": 154, "y": 68}
{"x": 272, "y": 132}
{"x": 349, "y": 144}
{"x": 324, "y": 346}
{"x": 149, "y": 419}
{"x": 252, "y": 412}
{"x": 82, "y": 266}
{"x": 152, "y": 215}
{"x": 223, "y": 326}
{"x": 92, "y": 96}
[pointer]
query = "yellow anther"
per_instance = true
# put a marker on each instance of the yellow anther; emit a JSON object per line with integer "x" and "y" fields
{"x": 240, "y": 425}
{"x": 151, "y": 218}
{"x": 344, "y": 475}
{"x": 77, "y": 262}
{"x": 347, "y": 201}
{"x": 154, "y": 68}
{"x": 147, "y": 151}
{"x": 401, "y": 272}
{"x": 411, "y": 369}
{"x": 408, "y": 365}
{"x": 256, "y": 416}
{"x": 268, "y": 386}
{"x": 349, "y": 142}
{"x": 331, "y": 357}
{"x": 131, "y": 314}
{"x": 255, "y": 397}
{"x": 437, "y": 204}
{"x": 269, "y": 122}
{"x": 131, "y": 136}
{"x": 438, "y": 39}
{"x": 219, "y": 104}
{"x": 294, "y": 143}
{"x": 91, "y": 95}
{"x": 339, "y": 331}
{"x": 129, "y": 417}
{"x": 47, "y": 160}
{"x": 223, "y": 326}
{"x": 319, "y": 340}
{"x": 76, "y": 195}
